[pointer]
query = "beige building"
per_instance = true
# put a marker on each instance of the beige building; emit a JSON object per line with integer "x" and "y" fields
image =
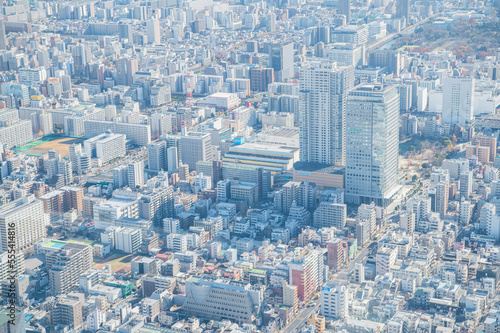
{"x": 68, "y": 311}
{"x": 318, "y": 321}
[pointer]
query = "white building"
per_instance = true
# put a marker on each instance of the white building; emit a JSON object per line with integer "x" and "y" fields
{"x": 15, "y": 133}
{"x": 347, "y": 54}
{"x": 323, "y": 94}
{"x": 171, "y": 226}
{"x": 458, "y": 100}
{"x": 177, "y": 242}
{"x": 106, "y": 146}
{"x": 386, "y": 257}
{"x": 26, "y": 218}
{"x": 330, "y": 214}
{"x": 128, "y": 240}
{"x": 221, "y": 100}
{"x": 153, "y": 31}
{"x": 135, "y": 174}
{"x": 334, "y": 301}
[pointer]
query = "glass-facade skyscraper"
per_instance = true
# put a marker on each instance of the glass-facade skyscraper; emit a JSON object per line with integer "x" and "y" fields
{"x": 372, "y": 144}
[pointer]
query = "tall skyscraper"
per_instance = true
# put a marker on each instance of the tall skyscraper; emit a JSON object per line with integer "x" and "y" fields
{"x": 344, "y": 8}
{"x": 125, "y": 70}
{"x": 157, "y": 153}
{"x": 172, "y": 159}
{"x": 81, "y": 57}
{"x": 125, "y": 32}
{"x": 323, "y": 93}
{"x": 458, "y": 100}
{"x": 403, "y": 9}
{"x": 372, "y": 144}
{"x": 281, "y": 60}
{"x": 153, "y": 31}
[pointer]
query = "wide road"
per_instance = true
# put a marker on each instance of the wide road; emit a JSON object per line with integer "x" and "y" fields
{"x": 344, "y": 274}
{"x": 300, "y": 320}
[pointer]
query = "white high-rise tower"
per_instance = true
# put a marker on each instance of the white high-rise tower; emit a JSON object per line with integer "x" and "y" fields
{"x": 458, "y": 100}
{"x": 323, "y": 94}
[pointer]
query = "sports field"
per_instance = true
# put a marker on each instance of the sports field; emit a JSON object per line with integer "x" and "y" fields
{"x": 42, "y": 146}
{"x": 118, "y": 262}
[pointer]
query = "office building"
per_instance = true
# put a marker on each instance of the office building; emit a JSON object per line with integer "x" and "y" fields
{"x": 157, "y": 156}
{"x": 347, "y": 54}
{"x": 442, "y": 198}
{"x": 455, "y": 167}
{"x": 372, "y": 148}
{"x": 228, "y": 297}
{"x": 246, "y": 191}
{"x": 248, "y": 173}
{"x": 273, "y": 158}
{"x": 465, "y": 211}
{"x": 458, "y": 101}
{"x": 153, "y": 31}
{"x": 261, "y": 78}
{"x": 487, "y": 217}
{"x": 172, "y": 160}
{"x": 403, "y": 10}
{"x": 29, "y": 220}
{"x": 368, "y": 214}
{"x": 281, "y": 60}
{"x": 65, "y": 169}
{"x": 487, "y": 141}
{"x": 125, "y": 70}
{"x": 334, "y": 301}
{"x": 120, "y": 176}
{"x": 353, "y": 34}
{"x": 362, "y": 233}
{"x": 344, "y": 8}
{"x": 196, "y": 147}
{"x": 125, "y": 32}
{"x": 389, "y": 59}
{"x": 323, "y": 91}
